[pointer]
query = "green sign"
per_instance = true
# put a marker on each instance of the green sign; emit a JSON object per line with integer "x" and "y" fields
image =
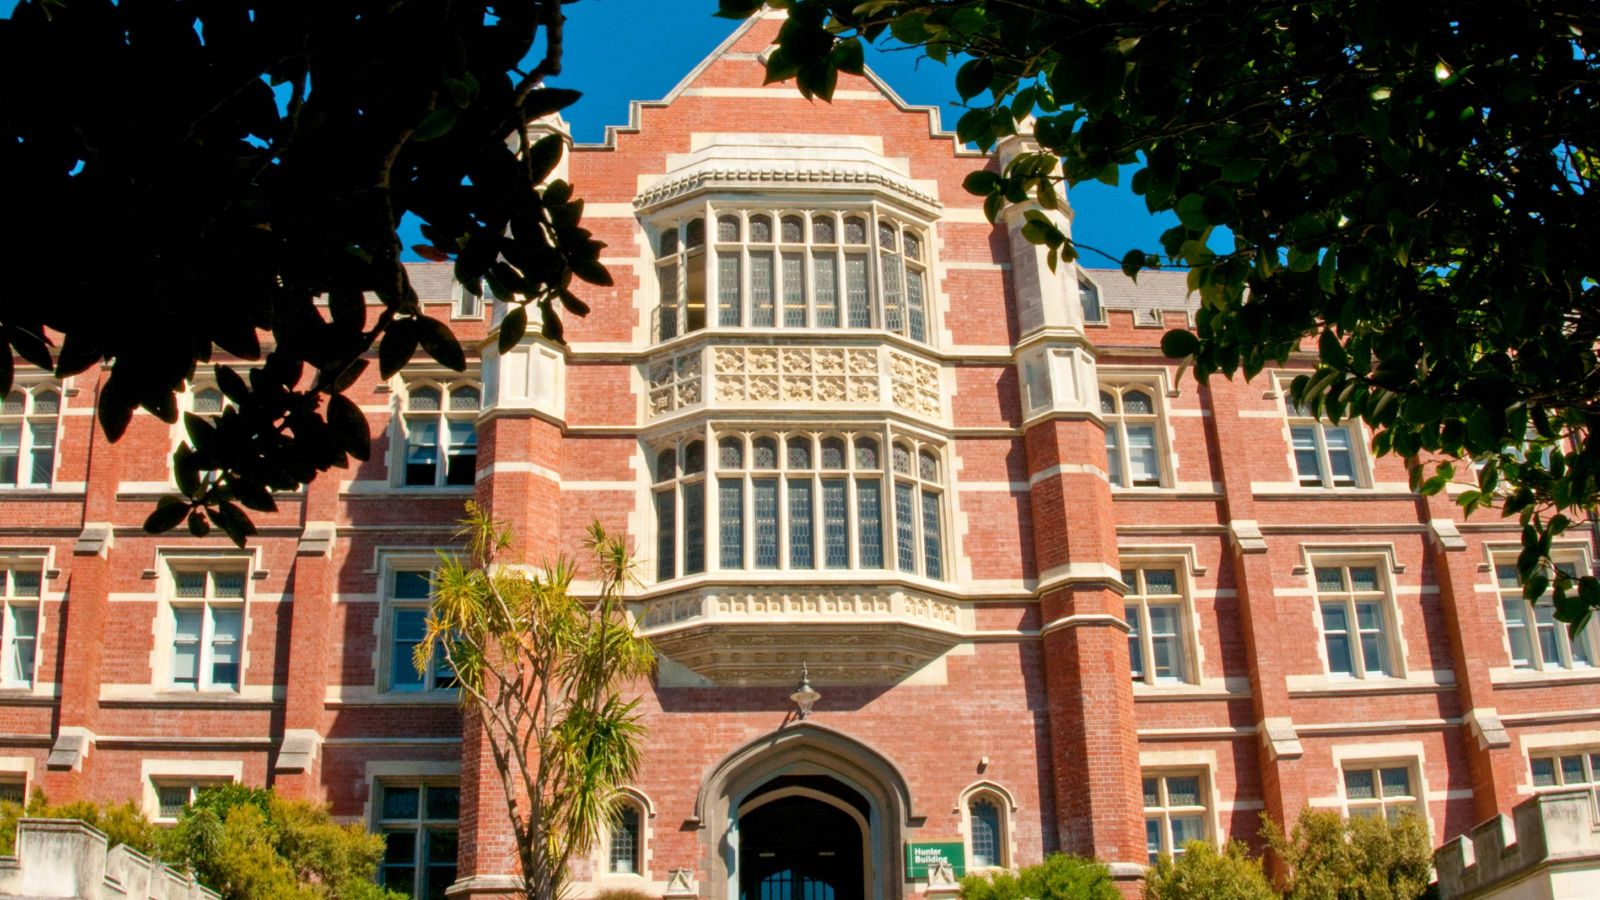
{"x": 922, "y": 856}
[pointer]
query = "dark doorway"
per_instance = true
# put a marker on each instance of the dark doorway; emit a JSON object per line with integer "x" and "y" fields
{"x": 795, "y": 846}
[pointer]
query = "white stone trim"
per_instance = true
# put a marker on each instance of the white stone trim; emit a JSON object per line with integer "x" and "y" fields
{"x": 156, "y": 771}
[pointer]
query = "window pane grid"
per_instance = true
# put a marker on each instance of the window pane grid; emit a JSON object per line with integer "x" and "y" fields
{"x": 207, "y": 630}
{"x": 1155, "y": 611}
{"x": 1380, "y": 790}
{"x": 1133, "y": 450}
{"x": 1534, "y": 637}
{"x": 441, "y": 436}
{"x": 28, "y": 433}
{"x": 1568, "y": 769}
{"x": 418, "y": 824}
{"x": 801, "y": 501}
{"x": 802, "y": 267}
{"x": 1175, "y": 812}
{"x": 1353, "y": 608}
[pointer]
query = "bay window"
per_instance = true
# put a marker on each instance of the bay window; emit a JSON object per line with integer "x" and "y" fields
{"x": 773, "y": 268}
{"x": 799, "y": 500}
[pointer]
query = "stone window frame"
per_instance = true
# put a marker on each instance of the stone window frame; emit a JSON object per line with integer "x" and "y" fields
{"x": 1589, "y": 769}
{"x": 466, "y": 306}
{"x": 169, "y": 564}
{"x": 155, "y": 774}
{"x": 17, "y": 771}
{"x": 27, "y": 420}
{"x": 1295, "y": 417}
{"x": 1084, "y": 279}
{"x": 1383, "y": 803}
{"x": 1139, "y": 559}
{"x": 687, "y": 241}
{"x": 12, "y": 561}
{"x": 1394, "y": 647}
{"x": 1163, "y": 811}
{"x": 447, "y": 383}
{"x": 716, "y": 476}
{"x": 1412, "y": 754}
{"x": 1578, "y": 557}
{"x": 390, "y": 565}
{"x": 1005, "y": 803}
{"x": 424, "y": 780}
{"x": 600, "y": 858}
{"x": 1115, "y": 386}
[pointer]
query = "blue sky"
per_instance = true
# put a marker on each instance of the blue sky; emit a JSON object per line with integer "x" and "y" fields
{"x": 621, "y": 50}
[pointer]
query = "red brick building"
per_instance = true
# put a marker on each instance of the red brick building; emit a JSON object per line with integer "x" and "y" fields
{"x": 1054, "y": 594}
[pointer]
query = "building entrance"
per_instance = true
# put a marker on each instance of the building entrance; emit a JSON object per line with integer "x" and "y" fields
{"x": 803, "y": 838}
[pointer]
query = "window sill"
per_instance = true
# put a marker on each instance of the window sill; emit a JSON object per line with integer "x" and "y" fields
{"x": 400, "y": 698}
{"x": 1349, "y": 686}
{"x": 1177, "y": 691}
{"x": 385, "y": 488}
{"x": 170, "y": 699}
{"x": 1534, "y": 677}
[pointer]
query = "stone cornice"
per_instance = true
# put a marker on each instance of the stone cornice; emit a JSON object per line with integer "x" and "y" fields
{"x": 780, "y": 177}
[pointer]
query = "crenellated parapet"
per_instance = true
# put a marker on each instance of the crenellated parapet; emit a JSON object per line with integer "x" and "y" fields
{"x": 1548, "y": 847}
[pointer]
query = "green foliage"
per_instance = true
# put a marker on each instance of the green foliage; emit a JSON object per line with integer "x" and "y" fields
{"x": 1202, "y": 873}
{"x": 235, "y": 160}
{"x": 1331, "y": 858}
{"x": 250, "y": 843}
{"x": 1411, "y": 185}
{"x": 623, "y": 894}
{"x": 122, "y": 823}
{"x": 1059, "y": 877}
{"x": 543, "y": 670}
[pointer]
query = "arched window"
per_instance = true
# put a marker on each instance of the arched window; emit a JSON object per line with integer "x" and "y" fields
{"x": 680, "y": 481}
{"x": 1133, "y": 451}
{"x": 800, "y": 500}
{"x": 985, "y": 818}
{"x": 986, "y": 813}
{"x": 773, "y": 271}
{"x": 28, "y": 425}
{"x": 624, "y": 849}
{"x": 207, "y": 402}
{"x": 441, "y": 434}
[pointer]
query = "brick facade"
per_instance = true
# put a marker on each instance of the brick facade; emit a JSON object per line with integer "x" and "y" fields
{"x": 1011, "y": 674}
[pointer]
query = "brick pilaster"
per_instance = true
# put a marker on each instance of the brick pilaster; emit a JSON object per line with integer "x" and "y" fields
{"x": 297, "y": 765}
{"x": 1283, "y": 783}
{"x": 84, "y": 618}
{"x": 1475, "y": 636}
{"x": 1094, "y": 751}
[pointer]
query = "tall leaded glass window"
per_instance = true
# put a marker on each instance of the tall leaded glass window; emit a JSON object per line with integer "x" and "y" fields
{"x": 786, "y": 269}
{"x": 801, "y": 500}
{"x": 680, "y": 496}
{"x": 28, "y": 423}
{"x": 987, "y": 836}
{"x": 624, "y": 843}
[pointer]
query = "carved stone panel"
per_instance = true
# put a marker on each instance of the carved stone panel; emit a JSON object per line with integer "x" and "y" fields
{"x": 843, "y": 635}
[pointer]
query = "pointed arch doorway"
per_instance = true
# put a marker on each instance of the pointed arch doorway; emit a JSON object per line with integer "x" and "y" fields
{"x": 804, "y": 838}
{"x": 758, "y": 799}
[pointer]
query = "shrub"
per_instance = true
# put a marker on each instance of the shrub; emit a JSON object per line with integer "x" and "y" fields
{"x": 122, "y": 823}
{"x": 249, "y": 843}
{"x": 1202, "y": 873}
{"x": 1059, "y": 877}
{"x": 623, "y": 894}
{"x": 1332, "y": 858}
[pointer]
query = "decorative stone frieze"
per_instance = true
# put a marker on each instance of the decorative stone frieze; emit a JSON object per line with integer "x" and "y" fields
{"x": 853, "y": 635}
{"x": 767, "y": 374}
{"x": 675, "y": 382}
{"x": 914, "y": 384}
